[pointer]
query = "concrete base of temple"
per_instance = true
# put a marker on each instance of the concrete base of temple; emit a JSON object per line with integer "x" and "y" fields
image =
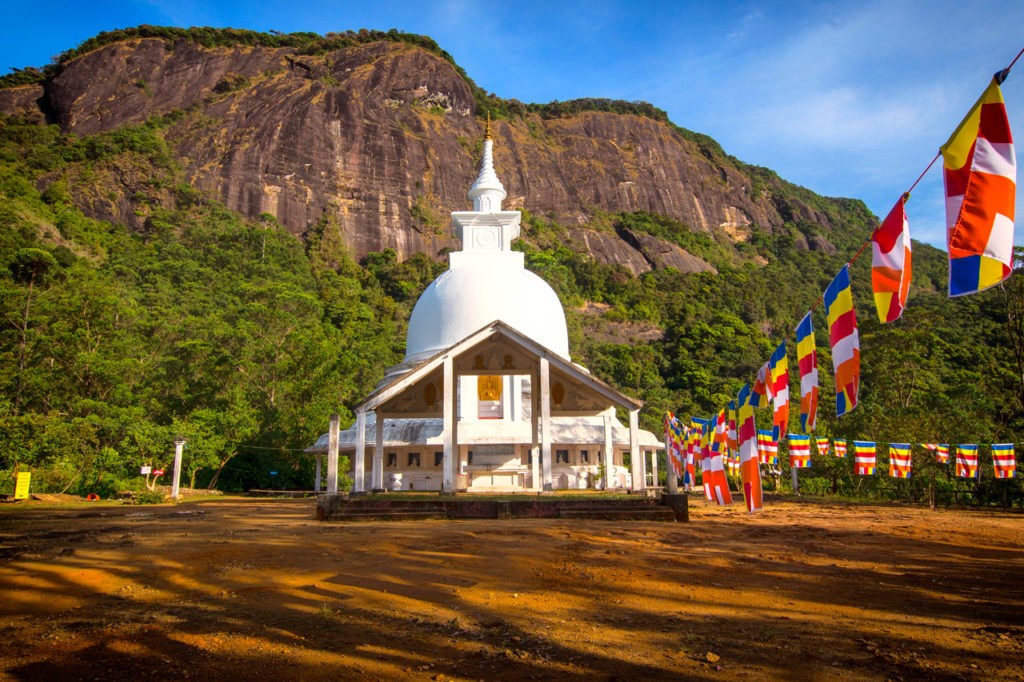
{"x": 624, "y": 508}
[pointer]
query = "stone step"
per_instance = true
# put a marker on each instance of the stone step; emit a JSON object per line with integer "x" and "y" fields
{"x": 637, "y": 514}
{"x": 388, "y": 515}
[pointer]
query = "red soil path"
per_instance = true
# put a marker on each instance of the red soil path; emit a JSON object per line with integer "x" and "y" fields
{"x": 256, "y": 589}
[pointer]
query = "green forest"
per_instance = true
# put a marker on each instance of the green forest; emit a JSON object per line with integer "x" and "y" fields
{"x": 243, "y": 339}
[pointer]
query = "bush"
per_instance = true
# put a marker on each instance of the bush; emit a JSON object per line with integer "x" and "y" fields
{"x": 151, "y": 497}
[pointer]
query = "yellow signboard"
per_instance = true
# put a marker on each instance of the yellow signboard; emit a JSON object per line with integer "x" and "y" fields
{"x": 21, "y": 487}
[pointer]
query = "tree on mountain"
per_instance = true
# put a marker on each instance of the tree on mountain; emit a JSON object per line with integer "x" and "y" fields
{"x": 33, "y": 268}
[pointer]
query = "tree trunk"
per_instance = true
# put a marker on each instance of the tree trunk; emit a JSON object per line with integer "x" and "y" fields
{"x": 216, "y": 476}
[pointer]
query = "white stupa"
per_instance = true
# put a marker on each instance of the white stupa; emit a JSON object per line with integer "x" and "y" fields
{"x": 487, "y": 398}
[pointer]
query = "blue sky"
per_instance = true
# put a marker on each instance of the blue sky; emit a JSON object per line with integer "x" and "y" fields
{"x": 846, "y": 98}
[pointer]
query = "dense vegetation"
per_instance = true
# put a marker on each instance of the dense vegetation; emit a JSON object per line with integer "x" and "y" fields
{"x": 243, "y": 339}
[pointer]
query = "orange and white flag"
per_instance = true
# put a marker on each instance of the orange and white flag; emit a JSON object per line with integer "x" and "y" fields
{"x": 890, "y": 263}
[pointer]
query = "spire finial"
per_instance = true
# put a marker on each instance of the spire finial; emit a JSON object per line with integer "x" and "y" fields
{"x": 487, "y": 192}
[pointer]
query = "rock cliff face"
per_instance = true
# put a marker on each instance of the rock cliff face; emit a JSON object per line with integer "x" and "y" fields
{"x": 384, "y": 139}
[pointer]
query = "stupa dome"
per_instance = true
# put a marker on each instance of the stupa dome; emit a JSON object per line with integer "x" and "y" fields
{"x": 464, "y": 299}
{"x": 486, "y": 281}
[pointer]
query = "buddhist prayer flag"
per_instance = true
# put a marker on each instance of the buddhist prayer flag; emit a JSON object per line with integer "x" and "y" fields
{"x": 690, "y": 470}
{"x": 701, "y": 442}
{"x": 807, "y": 360}
{"x": 863, "y": 457}
{"x": 767, "y": 447}
{"x": 842, "y": 327}
{"x": 942, "y": 453}
{"x": 980, "y": 177}
{"x": 799, "y": 451}
{"x": 716, "y": 485}
{"x": 733, "y": 438}
{"x": 822, "y": 444}
{"x": 890, "y": 263}
{"x": 967, "y": 461}
{"x": 721, "y": 422}
{"x": 734, "y": 463}
{"x": 675, "y": 444}
{"x": 840, "y": 446}
{"x": 899, "y": 460}
{"x": 762, "y": 387}
{"x": 779, "y": 365}
{"x": 1004, "y": 460}
{"x": 750, "y": 469}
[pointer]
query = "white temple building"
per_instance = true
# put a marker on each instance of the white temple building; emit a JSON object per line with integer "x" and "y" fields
{"x": 487, "y": 397}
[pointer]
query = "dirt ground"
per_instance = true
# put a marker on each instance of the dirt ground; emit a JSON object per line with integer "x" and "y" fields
{"x": 258, "y": 589}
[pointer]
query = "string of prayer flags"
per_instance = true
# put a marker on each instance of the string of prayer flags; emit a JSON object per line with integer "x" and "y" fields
{"x": 980, "y": 176}
{"x": 822, "y": 444}
{"x": 799, "y": 451}
{"x": 750, "y": 470}
{"x": 890, "y": 263}
{"x": 942, "y": 453}
{"x": 840, "y": 446}
{"x": 767, "y": 447}
{"x": 807, "y": 360}
{"x": 779, "y": 368}
{"x": 899, "y": 460}
{"x": 966, "y": 461}
{"x": 1004, "y": 460}
{"x": 842, "y": 325}
{"x": 863, "y": 457}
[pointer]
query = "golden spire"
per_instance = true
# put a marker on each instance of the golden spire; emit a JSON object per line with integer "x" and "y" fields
{"x": 487, "y": 128}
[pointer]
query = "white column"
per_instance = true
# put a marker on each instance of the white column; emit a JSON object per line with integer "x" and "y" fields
{"x": 635, "y": 460}
{"x": 654, "y": 467}
{"x": 317, "y": 480}
{"x": 448, "y": 428}
{"x": 377, "y": 475}
{"x": 670, "y": 471}
{"x": 332, "y": 455}
{"x": 535, "y": 467}
{"x": 179, "y": 445}
{"x": 545, "y": 420}
{"x": 609, "y": 453}
{"x": 359, "y": 473}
